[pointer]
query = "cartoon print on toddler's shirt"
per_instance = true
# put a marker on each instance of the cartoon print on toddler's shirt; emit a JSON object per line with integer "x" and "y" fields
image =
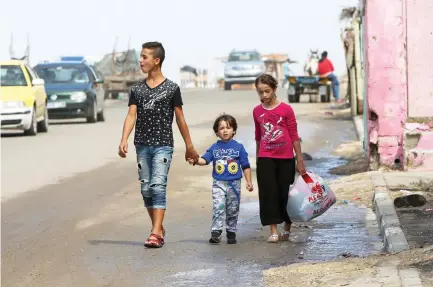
{"x": 226, "y": 158}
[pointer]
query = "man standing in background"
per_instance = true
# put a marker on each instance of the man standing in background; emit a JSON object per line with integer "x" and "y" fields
{"x": 326, "y": 69}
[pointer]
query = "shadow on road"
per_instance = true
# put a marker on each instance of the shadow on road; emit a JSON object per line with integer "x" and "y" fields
{"x": 59, "y": 123}
{"x": 115, "y": 242}
{"x": 12, "y": 135}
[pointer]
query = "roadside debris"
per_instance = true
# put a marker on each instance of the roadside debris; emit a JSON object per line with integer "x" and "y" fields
{"x": 306, "y": 156}
{"x": 410, "y": 200}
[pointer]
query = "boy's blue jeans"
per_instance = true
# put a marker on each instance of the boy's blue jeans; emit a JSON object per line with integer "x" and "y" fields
{"x": 153, "y": 164}
{"x": 335, "y": 85}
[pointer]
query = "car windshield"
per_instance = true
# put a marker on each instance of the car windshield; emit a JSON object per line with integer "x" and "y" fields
{"x": 63, "y": 74}
{"x": 244, "y": 56}
{"x": 12, "y": 75}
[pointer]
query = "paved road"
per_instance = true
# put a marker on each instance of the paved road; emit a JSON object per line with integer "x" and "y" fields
{"x": 72, "y": 214}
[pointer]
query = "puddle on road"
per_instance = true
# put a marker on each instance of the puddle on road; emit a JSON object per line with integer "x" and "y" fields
{"x": 226, "y": 276}
{"x": 343, "y": 231}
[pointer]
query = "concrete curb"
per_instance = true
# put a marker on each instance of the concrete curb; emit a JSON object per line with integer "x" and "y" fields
{"x": 394, "y": 239}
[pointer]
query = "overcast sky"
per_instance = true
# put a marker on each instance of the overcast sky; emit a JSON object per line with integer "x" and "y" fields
{"x": 193, "y": 32}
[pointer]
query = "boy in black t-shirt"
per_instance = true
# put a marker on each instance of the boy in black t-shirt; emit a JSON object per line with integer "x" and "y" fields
{"x": 152, "y": 105}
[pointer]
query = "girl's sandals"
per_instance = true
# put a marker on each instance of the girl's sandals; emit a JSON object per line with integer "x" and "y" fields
{"x": 163, "y": 231}
{"x": 154, "y": 241}
{"x": 284, "y": 236}
{"x": 274, "y": 238}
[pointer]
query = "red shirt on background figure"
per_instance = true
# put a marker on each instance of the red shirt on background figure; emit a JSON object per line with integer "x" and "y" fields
{"x": 326, "y": 69}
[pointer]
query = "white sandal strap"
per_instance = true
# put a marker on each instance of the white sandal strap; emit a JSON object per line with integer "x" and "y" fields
{"x": 274, "y": 238}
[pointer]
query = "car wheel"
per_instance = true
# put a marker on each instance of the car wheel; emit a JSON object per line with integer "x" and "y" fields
{"x": 323, "y": 98}
{"x": 291, "y": 98}
{"x": 294, "y": 98}
{"x": 33, "y": 129}
{"x": 43, "y": 125}
{"x": 101, "y": 116}
{"x": 227, "y": 86}
{"x": 94, "y": 117}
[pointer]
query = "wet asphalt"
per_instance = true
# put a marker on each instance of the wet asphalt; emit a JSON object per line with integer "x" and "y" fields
{"x": 88, "y": 228}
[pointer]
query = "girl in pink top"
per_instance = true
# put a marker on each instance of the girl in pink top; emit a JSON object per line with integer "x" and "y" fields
{"x": 276, "y": 136}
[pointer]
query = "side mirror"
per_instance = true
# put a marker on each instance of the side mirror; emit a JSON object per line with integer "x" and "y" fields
{"x": 98, "y": 81}
{"x": 38, "y": 82}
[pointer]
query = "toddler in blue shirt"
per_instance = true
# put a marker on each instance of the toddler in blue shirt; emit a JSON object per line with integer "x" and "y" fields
{"x": 229, "y": 159}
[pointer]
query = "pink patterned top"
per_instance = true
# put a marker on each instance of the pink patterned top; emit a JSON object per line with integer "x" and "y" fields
{"x": 276, "y": 130}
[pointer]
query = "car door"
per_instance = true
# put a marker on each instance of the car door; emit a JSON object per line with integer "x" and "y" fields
{"x": 38, "y": 91}
{"x": 97, "y": 89}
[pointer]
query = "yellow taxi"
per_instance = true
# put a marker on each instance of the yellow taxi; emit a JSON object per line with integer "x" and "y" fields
{"x": 23, "y": 100}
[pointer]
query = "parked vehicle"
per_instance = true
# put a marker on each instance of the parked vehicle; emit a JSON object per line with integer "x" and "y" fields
{"x": 243, "y": 67}
{"x": 121, "y": 70}
{"x": 73, "y": 89}
{"x": 23, "y": 103}
{"x": 314, "y": 86}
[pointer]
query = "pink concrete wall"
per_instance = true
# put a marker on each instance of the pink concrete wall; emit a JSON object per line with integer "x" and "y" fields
{"x": 385, "y": 41}
{"x": 420, "y": 57}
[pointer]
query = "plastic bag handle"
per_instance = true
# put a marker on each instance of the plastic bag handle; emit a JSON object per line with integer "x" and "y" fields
{"x": 307, "y": 178}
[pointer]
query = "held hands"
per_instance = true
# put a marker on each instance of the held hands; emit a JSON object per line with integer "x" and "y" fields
{"x": 191, "y": 156}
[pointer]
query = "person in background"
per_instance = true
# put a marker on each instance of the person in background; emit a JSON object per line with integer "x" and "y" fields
{"x": 326, "y": 69}
{"x": 286, "y": 73}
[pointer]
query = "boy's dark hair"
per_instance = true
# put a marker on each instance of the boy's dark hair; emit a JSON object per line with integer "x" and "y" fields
{"x": 158, "y": 50}
{"x": 267, "y": 80}
{"x": 231, "y": 122}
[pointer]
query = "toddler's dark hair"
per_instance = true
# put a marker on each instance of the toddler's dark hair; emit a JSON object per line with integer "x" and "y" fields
{"x": 231, "y": 122}
{"x": 267, "y": 80}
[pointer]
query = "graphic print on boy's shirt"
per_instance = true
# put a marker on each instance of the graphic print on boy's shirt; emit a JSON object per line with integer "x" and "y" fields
{"x": 155, "y": 112}
{"x": 153, "y": 99}
{"x": 229, "y": 159}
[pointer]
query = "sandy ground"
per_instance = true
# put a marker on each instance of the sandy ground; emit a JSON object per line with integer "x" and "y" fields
{"x": 349, "y": 272}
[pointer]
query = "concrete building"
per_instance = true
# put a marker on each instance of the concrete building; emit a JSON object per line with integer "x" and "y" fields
{"x": 398, "y": 58}
{"x": 188, "y": 77}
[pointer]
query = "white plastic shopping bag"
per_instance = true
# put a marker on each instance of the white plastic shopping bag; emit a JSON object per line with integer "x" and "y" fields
{"x": 309, "y": 197}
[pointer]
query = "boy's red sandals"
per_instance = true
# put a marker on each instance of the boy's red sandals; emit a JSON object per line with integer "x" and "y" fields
{"x": 154, "y": 241}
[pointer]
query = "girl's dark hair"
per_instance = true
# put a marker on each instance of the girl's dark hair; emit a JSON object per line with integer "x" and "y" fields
{"x": 231, "y": 122}
{"x": 267, "y": 80}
